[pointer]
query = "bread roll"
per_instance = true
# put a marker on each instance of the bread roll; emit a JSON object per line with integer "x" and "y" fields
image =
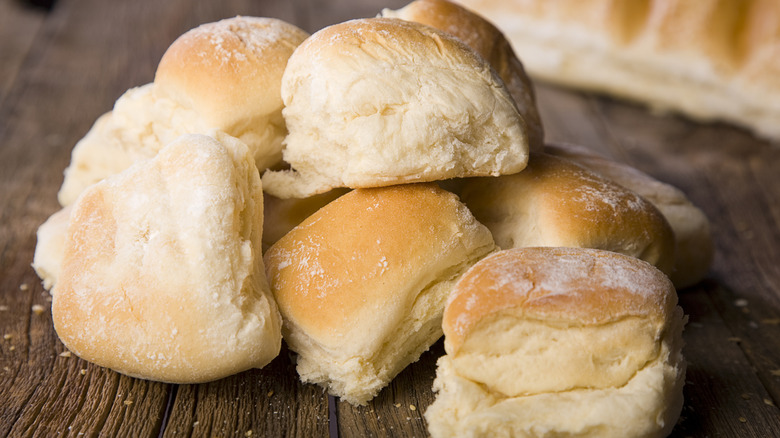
{"x": 224, "y": 75}
{"x": 50, "y": 246}
{"x": 555, "y": 202}
{"x": 560, "y": 342}
{"x": 707, "y": 59}
{"x": 490, "y": 43}
{"x": 361, "y": 284}
{"x": 376, "y": 102}
{"x": 694, "y": 248}
{"x": 162, "y": 275}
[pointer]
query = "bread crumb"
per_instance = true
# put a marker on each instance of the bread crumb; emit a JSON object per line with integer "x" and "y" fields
{"x": 195, "y": 423}
{"x": 83, "y": 372}
{"x": 745, "y": 396}
{"x": 3, "y": 308}
{"x": 413, "y": 407}
{"x": 8, "y": 336}
{"x": 398, "y": 405}
{"x": 38, "y": 309}
{"x": 768, "y": 402}
{"x": 128, "y": 402}
{"x": 12, "y": 348}
{"x": 23, "y": 287}
{"x": 270, "y": 393}
{"x": 248, "y": 433}
{"x": 741, "y": 302}
{"x": 65, "y": 354}
{"x": 742, "y": 420}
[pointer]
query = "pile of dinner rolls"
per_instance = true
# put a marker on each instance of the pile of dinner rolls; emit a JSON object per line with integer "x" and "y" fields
{"x": 360, "y": 193}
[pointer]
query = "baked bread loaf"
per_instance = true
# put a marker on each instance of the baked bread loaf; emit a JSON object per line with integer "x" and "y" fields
{"x": 361, "y": 284}
{"x": 555, "y": 202}
{"x": 379, "y": 101}
{"x": 224, "y": 75}
{"x": 162, "y": 274}
{"x": 560, "y": 342}
{"x": 488, "y": 42}
{"x": 709, "y": 60}
{"x": 49, "y": 247}
{"x": 694, "y": 249}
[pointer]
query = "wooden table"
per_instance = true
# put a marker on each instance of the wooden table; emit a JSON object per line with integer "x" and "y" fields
{"x": 61, "y": 68}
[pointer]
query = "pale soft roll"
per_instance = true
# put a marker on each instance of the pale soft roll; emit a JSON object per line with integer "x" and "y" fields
{"x": 362, "y": 283}
{"x": 224, "y": 75}
{"x": 50, "y": 246}
{"x": 694, "y": 248}
{"x": 555, "y": 202}
{"x": 708, "y": 59}
{"x": 376, "y": 102}
{"x": 560, "y": 342}
{"x": 162, "y": 274}
{"x": 490, "y": 43}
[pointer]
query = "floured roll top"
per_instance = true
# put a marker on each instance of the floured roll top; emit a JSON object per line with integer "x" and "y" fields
{"x": 560, "y": 342}
{"x": 162, "y": 274}
{"x": 377, "y": 102}
{"x": 490, "y": 43}
{"x": 555, "y": 202}
{"x": 219, "y": 76}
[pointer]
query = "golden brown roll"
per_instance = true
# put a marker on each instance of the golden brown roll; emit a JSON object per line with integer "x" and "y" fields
{"x": 694, "y": 248}
{"x": 555, "y": 202}
{"x": 560, "y": 342}
{"x": 361, "y": 283}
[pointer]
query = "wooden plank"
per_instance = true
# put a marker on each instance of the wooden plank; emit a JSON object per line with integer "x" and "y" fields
{"x": 267, "y": 402}
{"x": 19, "y": 25}
{"x": 398, "y": 409}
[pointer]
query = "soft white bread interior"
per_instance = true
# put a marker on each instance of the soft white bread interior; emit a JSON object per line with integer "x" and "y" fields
{"x": 694, "y": 248}
{"x": 224, "y": 75}
{"x": 555, "y": 202}
{"x": 50, "y": 246}
{"x": 488, "y": 42}
{"x": 708, "y": 59}
{"x": 379, "y": 101}
{"x": 560, "y": 342}
{"x": 162, "y": 275}
{"x": 361, "y": 284}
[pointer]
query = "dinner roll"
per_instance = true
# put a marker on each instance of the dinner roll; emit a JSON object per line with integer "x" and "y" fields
{"x": 49, "y": 247}
{"x": 694, "y": 247}
{"x": 224, "y": 75}
{"x": 555, "y": 202}
{"x": 560, "y": 342}
{"x": 361, "y": 284}
{"x": 490, "y": 43}
{"x": 162, "y": 275}
{"x": 376, "y": 102}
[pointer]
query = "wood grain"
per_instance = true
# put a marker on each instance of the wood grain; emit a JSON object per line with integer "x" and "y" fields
{"x": 62, "y": 69}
